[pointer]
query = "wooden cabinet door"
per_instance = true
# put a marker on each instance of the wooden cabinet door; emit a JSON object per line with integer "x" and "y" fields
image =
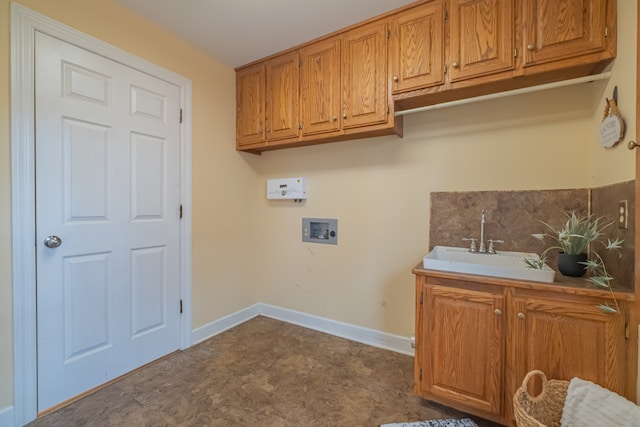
{"x": 364, "y": 76}
{"x": 566, "y": 340}
{"x": 559, "y": 29}
{"x": 481, "y": 38}
{"x": 250, "y": 103}
{"x": 320, "y": 87}
{"x": 282, "y": 92}
{"x": 417, "y": 47}
{"x": 464, "y": 346}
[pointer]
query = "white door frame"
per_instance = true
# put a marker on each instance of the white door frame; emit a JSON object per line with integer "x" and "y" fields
{"x": 24, "y": 24}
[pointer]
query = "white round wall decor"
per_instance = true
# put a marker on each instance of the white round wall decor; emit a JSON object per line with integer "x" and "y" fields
{"x": 612, "y": 126}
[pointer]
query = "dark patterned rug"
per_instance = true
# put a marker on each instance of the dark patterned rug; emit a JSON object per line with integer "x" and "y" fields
{"x": 465, "y": 422}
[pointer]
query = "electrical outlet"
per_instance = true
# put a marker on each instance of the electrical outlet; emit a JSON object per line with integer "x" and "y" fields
{"x": 623, "y": 214}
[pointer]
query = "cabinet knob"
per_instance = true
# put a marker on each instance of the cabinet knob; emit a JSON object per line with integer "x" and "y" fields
{"x": 334, "y": 118}
{"x": 268, "y": 130}
{"x": 395, "y": 78}
{"x": 632, "y": 144}
{"x": 521, "y": 315}
{"x": 497, "y": 312}
{"x": 260, "y": 131}
{"x": 344, "y": 116}
{"x": 455, "y": 64}
{"x": 531, "y": 46}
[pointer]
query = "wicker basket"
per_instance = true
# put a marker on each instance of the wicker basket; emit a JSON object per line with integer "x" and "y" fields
{"x": 543, "y": 410}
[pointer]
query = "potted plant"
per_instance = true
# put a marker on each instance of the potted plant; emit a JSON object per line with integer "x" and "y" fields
{"x": 576, "y": 242}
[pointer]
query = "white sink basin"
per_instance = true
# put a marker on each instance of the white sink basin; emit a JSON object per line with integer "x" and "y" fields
{"x": 505, "y": 264}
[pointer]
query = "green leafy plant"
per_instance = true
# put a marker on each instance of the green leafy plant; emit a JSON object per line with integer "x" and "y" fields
{"x": 580, "y": 234}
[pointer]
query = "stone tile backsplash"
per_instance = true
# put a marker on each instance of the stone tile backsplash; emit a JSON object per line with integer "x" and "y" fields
{"x": 513, "y": 216}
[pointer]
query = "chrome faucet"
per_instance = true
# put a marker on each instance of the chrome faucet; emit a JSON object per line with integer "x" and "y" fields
{"x": 473, "y": 247}
{"x": 483, "y": 221}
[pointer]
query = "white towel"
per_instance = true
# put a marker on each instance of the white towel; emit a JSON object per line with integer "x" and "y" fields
{"x": 589, "y": 405}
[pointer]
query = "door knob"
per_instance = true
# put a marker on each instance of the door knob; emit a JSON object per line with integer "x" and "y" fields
{"x": 52, "y": 241}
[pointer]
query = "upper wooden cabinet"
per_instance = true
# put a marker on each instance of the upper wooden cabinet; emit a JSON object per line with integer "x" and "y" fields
{"x": 417, "y": 47}
{"x": 349, "y": 84}
{"x": 320, "y": 87}
{"x": 476, "y": 36}
{"x": 561, "y": 29}
{"x": 250, "y": 105}
{"x": 364, "y": 76}
{"x": 282, "y": 97}
{"x": 267, "y": 102}
{"x": 344, "y": 81}
{"x": 481, "y": 38}
{"x": 486, "y": 43}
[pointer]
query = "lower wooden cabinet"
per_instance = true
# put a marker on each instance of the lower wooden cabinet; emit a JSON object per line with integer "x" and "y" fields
{"x": 460, "y": 345}
{"x": 477, "y": 339}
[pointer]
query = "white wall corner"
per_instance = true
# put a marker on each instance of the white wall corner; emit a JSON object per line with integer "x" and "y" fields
{"x": 359, "y": 334}
{"x": 227, "y": 322}
{"x": 6, "y": 417}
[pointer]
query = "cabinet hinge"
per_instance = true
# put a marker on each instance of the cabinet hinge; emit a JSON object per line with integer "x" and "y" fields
{"x": 180, "y": 306}
{"x": 606, "y": 32}
{"x": 388, "y": 109}
{"x": 300, "y": 63}
{"x": 181, "y": 115}
{"x": 626, "y": 331}
{"x": 388, "y": 34}
{"x": 180, "y": 211}
{"x": 515, "y": 52}
{"x": 299, "y": 125}
{"x": 446, "y": 15}
{"x": 421, "y": 297}
{"x": 420, "y": 374}
{"x": 446, "y": 69}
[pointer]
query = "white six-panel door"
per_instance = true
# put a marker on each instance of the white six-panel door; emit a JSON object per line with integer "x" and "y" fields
{"x": 107, "y": 185}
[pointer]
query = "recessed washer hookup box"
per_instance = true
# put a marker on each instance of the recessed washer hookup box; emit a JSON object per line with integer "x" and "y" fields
{"x": 320, "y": 230}
{"x": 287, "y": 188}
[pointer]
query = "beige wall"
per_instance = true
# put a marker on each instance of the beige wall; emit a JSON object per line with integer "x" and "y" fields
{"x": 378, "y": 189}
{"x": 247, "y": 249}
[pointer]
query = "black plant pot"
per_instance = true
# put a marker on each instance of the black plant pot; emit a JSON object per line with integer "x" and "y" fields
{"x": 569, "y": 265}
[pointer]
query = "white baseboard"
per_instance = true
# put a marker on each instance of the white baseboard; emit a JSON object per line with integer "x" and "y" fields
{"x": 359, "y": 334}
{"x": 6, "y": 417}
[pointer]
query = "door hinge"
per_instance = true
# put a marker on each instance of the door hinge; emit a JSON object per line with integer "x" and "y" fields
{"x": 180, "y": 211}
{"x": 420, "y": 374}
{"x": 421, "y": 297}
{"x": 181, "y": 115}
{"x": 626, "y": 331}
{"x": 180, "y": 306}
